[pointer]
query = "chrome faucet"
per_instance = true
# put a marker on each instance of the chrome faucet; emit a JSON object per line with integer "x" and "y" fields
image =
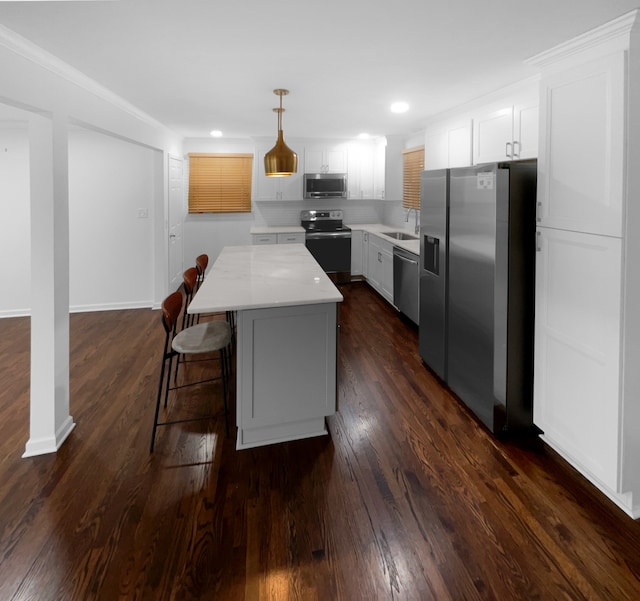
{"x": 416, "y": 228}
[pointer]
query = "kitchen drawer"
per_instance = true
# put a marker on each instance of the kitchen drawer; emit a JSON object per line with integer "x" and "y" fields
{"x": 295, "y": 238}
{"x": 264, "y": 238}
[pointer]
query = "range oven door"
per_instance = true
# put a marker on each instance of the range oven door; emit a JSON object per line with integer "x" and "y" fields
{"x": 332, "y": 250}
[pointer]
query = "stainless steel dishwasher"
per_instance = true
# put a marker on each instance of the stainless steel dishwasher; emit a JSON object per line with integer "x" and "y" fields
{"x": 406, "y": 283}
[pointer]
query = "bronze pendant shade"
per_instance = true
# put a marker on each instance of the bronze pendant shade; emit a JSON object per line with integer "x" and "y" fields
{"x": 280, "y": 161}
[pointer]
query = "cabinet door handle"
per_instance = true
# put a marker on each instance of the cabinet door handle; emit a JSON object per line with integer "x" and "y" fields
{"x": 538, "y": 211}
{"x": 516, "y": 154}
{"x": 506, "y": 150}
{"x": 538, "y": 247}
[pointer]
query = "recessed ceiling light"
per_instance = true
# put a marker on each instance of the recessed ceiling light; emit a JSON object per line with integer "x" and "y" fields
{"x": 399, "y": 107}
{"x": 216, "y": 133}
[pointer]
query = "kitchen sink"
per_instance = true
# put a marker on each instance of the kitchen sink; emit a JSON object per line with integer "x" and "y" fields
{"x": 400, "y": 235}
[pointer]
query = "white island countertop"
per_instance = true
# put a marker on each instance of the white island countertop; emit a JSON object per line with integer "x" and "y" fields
{"x": 259, "y": 277}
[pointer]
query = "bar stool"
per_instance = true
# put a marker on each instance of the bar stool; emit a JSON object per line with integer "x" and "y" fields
{"x": 208, "y": 337}
{"x": 201, "y": 265}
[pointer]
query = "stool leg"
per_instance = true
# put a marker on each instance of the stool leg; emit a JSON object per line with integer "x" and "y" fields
{"x": 224, "y": 372}
{"x": 159, "y": 396}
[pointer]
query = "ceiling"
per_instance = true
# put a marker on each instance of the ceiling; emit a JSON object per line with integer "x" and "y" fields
{"x": 198, "y": 65}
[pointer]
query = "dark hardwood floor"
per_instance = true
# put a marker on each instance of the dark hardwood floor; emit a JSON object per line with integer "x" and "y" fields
{"x": 408, "y": 498}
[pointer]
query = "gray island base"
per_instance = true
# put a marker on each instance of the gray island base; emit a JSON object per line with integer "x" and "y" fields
{"x": 286, "y": 339}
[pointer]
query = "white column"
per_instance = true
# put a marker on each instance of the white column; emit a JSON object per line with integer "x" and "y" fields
{"x": 50, "y": 422}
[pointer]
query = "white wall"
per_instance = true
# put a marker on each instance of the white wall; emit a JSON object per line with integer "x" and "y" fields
{"x": 209, "y": 233}
{"x": 111, "y": 247}
{"x": 15, "y": 241}
{"x": 121, "y": 149}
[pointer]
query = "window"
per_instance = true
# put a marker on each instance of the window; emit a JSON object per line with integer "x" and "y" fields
{"x": 220, "y": 183}
{"x": 413, "y": 165}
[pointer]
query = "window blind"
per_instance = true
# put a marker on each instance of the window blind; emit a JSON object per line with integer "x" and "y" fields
{"x": 220, "y": 183}
{"x": 413, "y": 165}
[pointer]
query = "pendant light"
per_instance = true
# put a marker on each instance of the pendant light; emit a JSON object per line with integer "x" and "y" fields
{"x": 280, "y": 161}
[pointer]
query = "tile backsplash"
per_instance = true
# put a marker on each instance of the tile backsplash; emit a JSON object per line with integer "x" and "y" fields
{"x": 274, "y": 213}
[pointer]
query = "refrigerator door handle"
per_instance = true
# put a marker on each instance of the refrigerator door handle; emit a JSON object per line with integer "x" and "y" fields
{"x": 436, "y": 256}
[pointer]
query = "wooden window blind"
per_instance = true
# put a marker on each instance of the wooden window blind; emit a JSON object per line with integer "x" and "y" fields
{"x": 413, "y": 165}
{"x": 220, "y": 183}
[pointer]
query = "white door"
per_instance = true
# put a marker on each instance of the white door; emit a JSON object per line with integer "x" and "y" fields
{"x": 176, "y": 199}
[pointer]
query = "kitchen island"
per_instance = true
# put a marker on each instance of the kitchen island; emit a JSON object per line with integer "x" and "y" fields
{"x": 286, "y": 339}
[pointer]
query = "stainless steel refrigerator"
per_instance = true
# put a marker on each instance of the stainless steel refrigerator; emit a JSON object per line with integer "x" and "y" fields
{"x": 477, "y": 287}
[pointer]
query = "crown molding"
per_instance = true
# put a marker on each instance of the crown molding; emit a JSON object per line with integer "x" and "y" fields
{"x": 615, "y": 33}
{"x": 21, "y": 46}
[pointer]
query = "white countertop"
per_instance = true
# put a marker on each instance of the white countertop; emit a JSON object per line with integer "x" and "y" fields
{"x": 263, "y": 276}
{"x": 378, "y": 229}
{"x": 279, "y": 229}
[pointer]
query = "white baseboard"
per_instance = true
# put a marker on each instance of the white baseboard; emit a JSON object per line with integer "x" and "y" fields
{"x": 49, "y": 444}
{"x": 88, "y": 308}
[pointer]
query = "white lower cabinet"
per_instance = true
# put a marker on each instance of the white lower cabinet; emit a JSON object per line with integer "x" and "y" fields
{"x": 291, "y": 238}
{"x": 380, "y": 266}
{"x": 356, "y": 252}
{"x": 577, "y": 355}
{"x": 365, "y": 254}
{"x": 264, "y": 238}
{"x": 278, "y": 238}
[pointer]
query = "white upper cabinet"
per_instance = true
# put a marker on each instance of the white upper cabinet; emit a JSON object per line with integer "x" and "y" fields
{"x": 503, "y": 128}
{"x": 580, "y": 187}
{"x": 360, "y": 174}
{"x": 277, "y": 188}
{"x": 526, "y": 133}
{"x": 325, "y": 159}
{"x": 366, "y": 173}
{"x": 448, "y": 146}
{"x": 379, "y": 169}
{"x": 362, "y": 161}
{"x": 507, "y": 132}
{"x": 493, "y": 136}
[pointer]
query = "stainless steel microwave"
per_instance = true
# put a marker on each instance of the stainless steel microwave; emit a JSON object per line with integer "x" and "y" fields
{"x": 325, "y": 185}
